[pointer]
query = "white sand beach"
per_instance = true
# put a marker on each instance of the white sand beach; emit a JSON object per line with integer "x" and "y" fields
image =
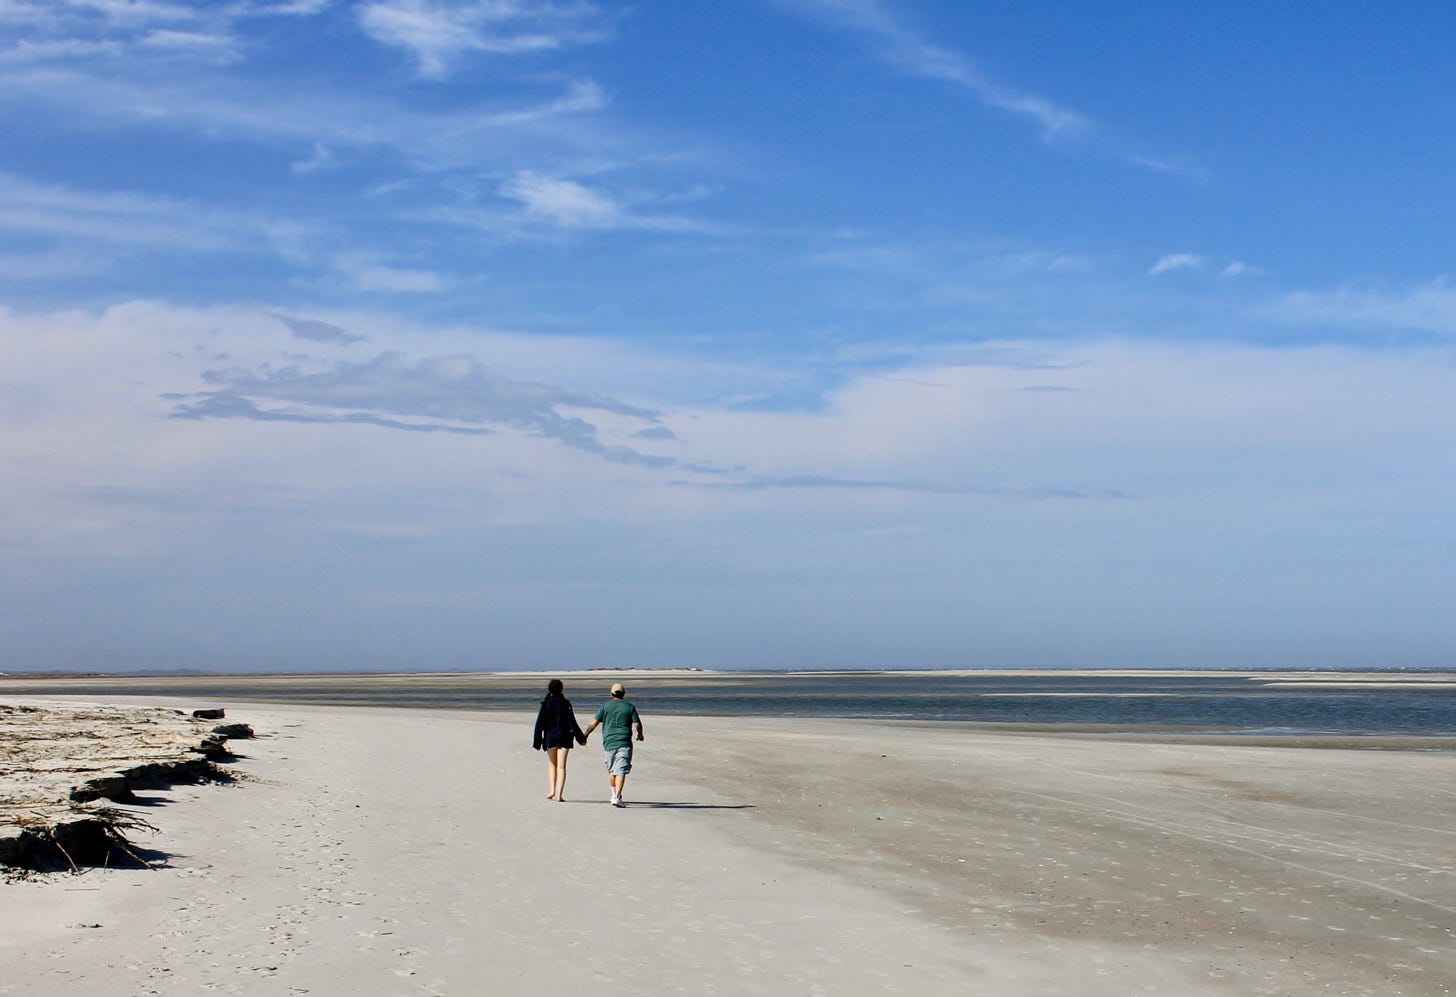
{"x": 365, "y": 850}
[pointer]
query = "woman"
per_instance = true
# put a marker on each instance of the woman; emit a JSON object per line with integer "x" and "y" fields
{"x": 556, "y": 727}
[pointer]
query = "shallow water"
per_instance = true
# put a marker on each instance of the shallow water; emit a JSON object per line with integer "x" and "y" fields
{"x": 1411, "y": 704}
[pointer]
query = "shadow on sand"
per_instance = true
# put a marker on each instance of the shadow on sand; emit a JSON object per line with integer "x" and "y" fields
{"x": 642, "y": 804}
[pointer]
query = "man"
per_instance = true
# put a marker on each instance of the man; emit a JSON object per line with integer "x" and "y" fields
{"x": 616, "y": 718}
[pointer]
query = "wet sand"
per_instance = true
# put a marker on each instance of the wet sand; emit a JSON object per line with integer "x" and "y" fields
{"x": 403, "y": 851}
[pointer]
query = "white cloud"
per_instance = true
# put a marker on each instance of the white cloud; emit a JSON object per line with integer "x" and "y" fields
{"x": 1176, "y": 261}
{"x": 579, "y": 97}
{"x": 322, "y": 158}
{"x": 81, "y": 28}
{"x": 394, "y": 280}
{"x": 907, "y": 51}
{"x": 112, "y": 217}
{"x": 284, "y": 8}
{"x": 564, "y": 202}
{"x": 1038, "y": 261}
{"x": 504, "y": 132}
{"x": 51, "y": 265}
{"x": 903, "y": 48}
{"x": 437, "y": 33}
{"x": 1429, "y": 307}
{"x": 216, "y": 48}
{"x": 164, "y": 65}
{"x": 1065, "y": 263}
{"x": 108, "y": 230}
{"x": 1173, "y": 166}
{"x": 1125, "y": 417}
{"x": 25, "y": 50}
{"x": 60, "y": 16}
{"x": 1168, "y": 472}
{"x": 1238, "y": 268}
{"x": 573, "y": 205}
{"x": 117, "y": 12}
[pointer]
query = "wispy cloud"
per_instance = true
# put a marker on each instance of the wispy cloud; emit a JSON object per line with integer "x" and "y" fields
{"x": 1238, "y": 268}
{"x": 114, "y": 65}
{"x": 571, "y": 204}
{"x": 78, "y": 17}
{"x": 96, "y": 29}
{"x": 283, "y": 8}
{"x": 906, "y": 50}
{"x": 28, "y": 51}
{"x": 53, "y": 264}
{"x": 322, "y": 158}
{"x": 1176, "y": 261}
{"x": 113, "y": 217}
{"x": 217, "y": 48}
{"x": 564, "y": 202}
{"x": 1428, "y": 307}
{"x": 815, "y": 481}
{"x": 436, "y": 34}
{"x": 369, "y": 274}
{"x": 55, "y": 14}
{"x": 102, "y": 229}
{"x": 317, "y": 331}
{"x": 439, "y": 394}
{"x": 1179, "y": 166}
{"x": 902, "y": 47}
{"x": 577, "y": 97}
{"x": 502, "y": 130}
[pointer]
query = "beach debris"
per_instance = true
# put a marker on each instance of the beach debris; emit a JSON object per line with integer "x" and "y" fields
{"x": 104, "y": 787}
{"x": 213, "y": 748}
{"x": 92, "y": 836}
{"x": 238, "y": 731}
{"x": 63, "y": 766}
{"x": 209, "y": 714}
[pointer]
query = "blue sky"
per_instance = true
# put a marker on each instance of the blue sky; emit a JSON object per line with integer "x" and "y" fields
{"x": 776, "y": 334}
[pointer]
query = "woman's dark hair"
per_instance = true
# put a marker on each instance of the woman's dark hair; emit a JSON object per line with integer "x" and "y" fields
{"x": 554, "y": 687}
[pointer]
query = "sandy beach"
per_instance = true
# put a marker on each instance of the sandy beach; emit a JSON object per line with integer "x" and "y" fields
{"x": 366, "y": 850}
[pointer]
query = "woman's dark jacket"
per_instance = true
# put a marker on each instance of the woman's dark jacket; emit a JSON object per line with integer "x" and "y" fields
{"x": 556, "y": 724}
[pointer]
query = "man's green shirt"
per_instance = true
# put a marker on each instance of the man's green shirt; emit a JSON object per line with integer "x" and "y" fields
{"x": 617, "y": 717}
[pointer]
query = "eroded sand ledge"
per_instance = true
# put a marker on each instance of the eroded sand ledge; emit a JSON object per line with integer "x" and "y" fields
{"x": 410, "y": 851}
{"x": 61, "y": 762}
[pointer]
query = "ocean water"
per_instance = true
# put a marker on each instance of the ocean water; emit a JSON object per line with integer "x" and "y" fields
{"x": 1273, "y": 704}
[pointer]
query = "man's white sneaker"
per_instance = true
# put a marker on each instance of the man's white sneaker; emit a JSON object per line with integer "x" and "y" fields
{"x": 615, "y": 800}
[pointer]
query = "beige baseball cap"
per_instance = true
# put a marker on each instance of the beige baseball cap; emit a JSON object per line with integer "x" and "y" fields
{"x": 618, "y": 689}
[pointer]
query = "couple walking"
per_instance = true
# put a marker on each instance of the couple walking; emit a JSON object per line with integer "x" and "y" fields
{"x": 556, "y": 728}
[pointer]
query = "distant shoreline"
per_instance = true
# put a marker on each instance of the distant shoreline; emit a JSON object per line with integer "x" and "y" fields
{"x": 1392, "y": 674}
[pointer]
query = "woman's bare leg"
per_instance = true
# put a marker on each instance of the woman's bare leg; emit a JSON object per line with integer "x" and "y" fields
{"x": 560, "y": 785}
{"x": 555, "y": 762}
